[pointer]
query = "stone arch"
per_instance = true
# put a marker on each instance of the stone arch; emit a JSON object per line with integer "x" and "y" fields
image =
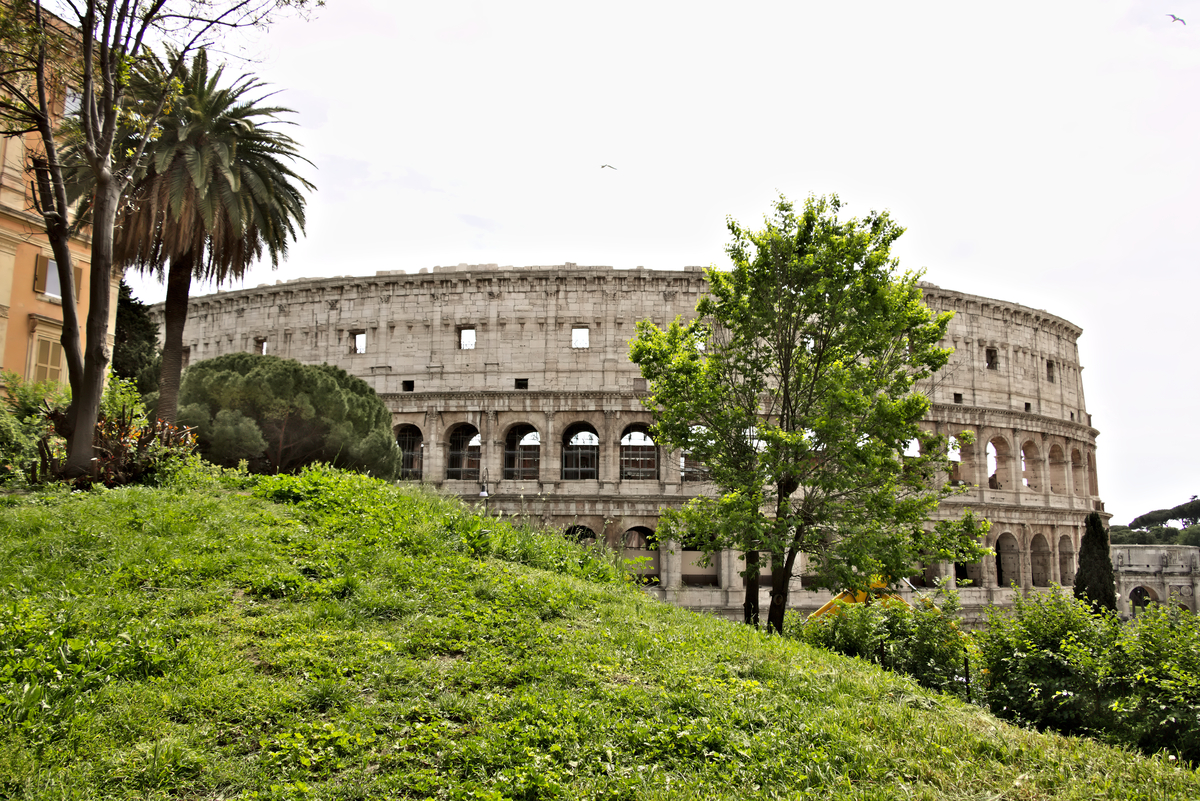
{"x": 639, "y": 454}
{"x": 968, "y": 574}
{"x": 999, "y": 463}
{"x": 640, "y": 547}
{"x": 522, "y": 453}
{"x": 1008, "y": 560}
{"x": 1066, "y": 561}
{"x": 958, "y": 456}
{"x": 1140, "y": 597}
{"x": 412, "y": 449}
{"x": 462, "y": 463}
{"x": 1058, "y": 470}
{"x": 1077, "y": 472}
{"x": 1031, "y": 465}
{"x": 1039, "y": 561}
{"x": 581, "y": 534}
{"x": 580, "y": 453}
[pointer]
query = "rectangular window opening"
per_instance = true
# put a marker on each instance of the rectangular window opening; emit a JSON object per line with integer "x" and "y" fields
{"x": 260, "y": 346}
{"x": 993, "y": 359}
{"x": 521, "y": 383}
{"x": 466, "y": 337}
{"x": 409, "y": 386}
{"x": 1028, "y": 407}
{"x": 358, "y": 342}
{"x": 1050, "y": 371}
{"x": 580, "y": 337}
{"x": 958, "y": 397}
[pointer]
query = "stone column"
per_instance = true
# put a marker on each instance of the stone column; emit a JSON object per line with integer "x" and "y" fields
{"x": 433, "y": 464}
{"x": 671, "y": 565}
{"x": 1023, "y": 548}
{"x": 610, "y": 454}
{"x": 551, "y": 462}
{"x": 493, "y": 450}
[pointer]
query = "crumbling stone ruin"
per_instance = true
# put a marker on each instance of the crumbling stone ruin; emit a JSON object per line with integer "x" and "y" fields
{"x": 518, "y": 379}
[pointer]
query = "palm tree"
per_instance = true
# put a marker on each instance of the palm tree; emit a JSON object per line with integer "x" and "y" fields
{"x": 217, "y": 190}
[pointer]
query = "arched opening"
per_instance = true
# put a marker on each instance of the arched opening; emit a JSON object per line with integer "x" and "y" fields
{"x": 412, "y": 449}
{"x": 1039, "y": 562}
{"x": 691, "y": 468}
{"x": 522, "y": 453}
{"x": 1066, "y": 561}
{"x": 1008, "y": 561}
{"x": 954, "y": 453}
{"x": 1141, "y": 597}
{"x": 639, "y": 455}
{"x": 581, "y": 534}
{"x": 1031, "y": 466}
{"x": 1058, "y": 470}
{"x": 463, "y": 462}
{"x": 580, "y": 453}
{"x": 998, "y": 459}
{"x": 1077, "y": 471}
{"x": 1093, "y": 488}
{"x": 968, "y": 574}
{"x": 640, "y": 552}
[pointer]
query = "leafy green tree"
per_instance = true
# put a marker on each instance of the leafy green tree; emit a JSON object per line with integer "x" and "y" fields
{"x": 795, "y": 386}
{"x": 280, "y": 415}
{"x": 1187, "y": 513}
{"x": 217, "y": 192}
{"x": 1094, "y": 580}
{"x": 135, "y": 346}
{"x": 89, "y": 51}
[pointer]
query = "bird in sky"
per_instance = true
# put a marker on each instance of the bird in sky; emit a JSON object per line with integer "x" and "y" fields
{"x": 1175, "y": 19}
{"x": 611, "y": 167}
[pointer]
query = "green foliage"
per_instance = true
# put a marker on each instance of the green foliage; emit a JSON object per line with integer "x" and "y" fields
{"x": 922, "y": 640}
{"x": 280, "y": 415}
{"x": 1057, "y": 663}
{"x": 1094, "y": 580}
{"x": 799, "y": 373}
{"x": 135, "y": 346}
{"x": 1188, "y": 513}
{"x": 402, "y": 666}
{"x": 25, "y": 420}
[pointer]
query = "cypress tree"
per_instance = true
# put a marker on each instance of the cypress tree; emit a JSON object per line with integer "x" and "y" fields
{"x": 1094, "y": 579}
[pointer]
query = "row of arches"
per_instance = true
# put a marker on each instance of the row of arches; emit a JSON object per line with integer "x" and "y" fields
{"x": 1030, "y": 468}
{"x": 580, "y": 453}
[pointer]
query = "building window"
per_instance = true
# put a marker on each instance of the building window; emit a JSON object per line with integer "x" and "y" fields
{"x": 464, "y": 454}
{"x": 47, "y": 360}
{"x": 466, "y": 338}
{"x": 580, "y": 337}
{"x": 1028, "y": 406}
{"x": 691, "y": 469}
{"x": 639, "y": 455}
{"x": 580, "y": 453}
{"x": 521, "y": 383}
{"x": 412, "y": 448}
{"x": 45, "y": 278}
{"x": 260, "y": 346}
{"x": 1050, "y": 371}
{"x": 958, "y": 397}
{"x": 993, "y": 359}
{"x": 408, "y": 386}
{"x": 522, "y": 453}
{"x": 358, "y": 342}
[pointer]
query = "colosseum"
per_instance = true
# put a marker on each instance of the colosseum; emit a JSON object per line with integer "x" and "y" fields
{"x": 516, "y": 382}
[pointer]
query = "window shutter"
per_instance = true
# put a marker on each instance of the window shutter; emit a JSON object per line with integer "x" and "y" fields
{"x": 41, "y": 263}
{"x": 78, "y": 285}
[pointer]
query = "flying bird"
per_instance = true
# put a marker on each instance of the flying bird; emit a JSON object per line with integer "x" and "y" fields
{"x": 1175, "y": 19}
{"x": 611, "y": 167}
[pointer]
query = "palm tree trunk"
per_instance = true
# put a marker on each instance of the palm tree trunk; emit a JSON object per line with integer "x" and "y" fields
{"x": 175, "y": 309}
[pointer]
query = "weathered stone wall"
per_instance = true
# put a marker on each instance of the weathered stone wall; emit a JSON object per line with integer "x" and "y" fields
{"x": 1162, "y": 573}
{"x": 404, "y": 334}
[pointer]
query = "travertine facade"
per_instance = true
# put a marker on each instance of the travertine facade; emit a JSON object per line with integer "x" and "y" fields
{"x": 1156, "y": 574}
{"x": 521, "y": 376}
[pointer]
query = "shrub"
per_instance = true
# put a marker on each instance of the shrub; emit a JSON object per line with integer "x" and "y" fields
{"x": 922, "y": 640}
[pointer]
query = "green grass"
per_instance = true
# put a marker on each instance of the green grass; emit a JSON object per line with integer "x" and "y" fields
{"x": 330, "y": 637}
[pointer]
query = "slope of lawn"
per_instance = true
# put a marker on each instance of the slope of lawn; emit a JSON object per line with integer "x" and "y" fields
{"x": 331, "y": 637}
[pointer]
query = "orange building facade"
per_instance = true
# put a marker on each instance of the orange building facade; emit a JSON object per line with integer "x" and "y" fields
{"x": 31, "y": 300}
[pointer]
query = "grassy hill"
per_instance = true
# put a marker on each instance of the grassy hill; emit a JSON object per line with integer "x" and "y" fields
{"x": 331, "y": 637}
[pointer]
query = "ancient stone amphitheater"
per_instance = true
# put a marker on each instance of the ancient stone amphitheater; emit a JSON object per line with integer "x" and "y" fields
{"x": 518, "y": 379}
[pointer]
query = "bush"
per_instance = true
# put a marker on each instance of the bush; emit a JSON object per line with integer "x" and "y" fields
{"x": 922, "y": 640}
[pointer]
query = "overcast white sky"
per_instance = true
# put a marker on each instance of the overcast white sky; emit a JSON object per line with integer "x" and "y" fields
{"x": 1043, "y": 153}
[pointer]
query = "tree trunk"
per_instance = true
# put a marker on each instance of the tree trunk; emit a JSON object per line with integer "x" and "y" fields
{"x": 781, "y": 579}
{"x": 750, "y": 607}
{"x": 175, "y": 309}
{"x": 86, "y": 398}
